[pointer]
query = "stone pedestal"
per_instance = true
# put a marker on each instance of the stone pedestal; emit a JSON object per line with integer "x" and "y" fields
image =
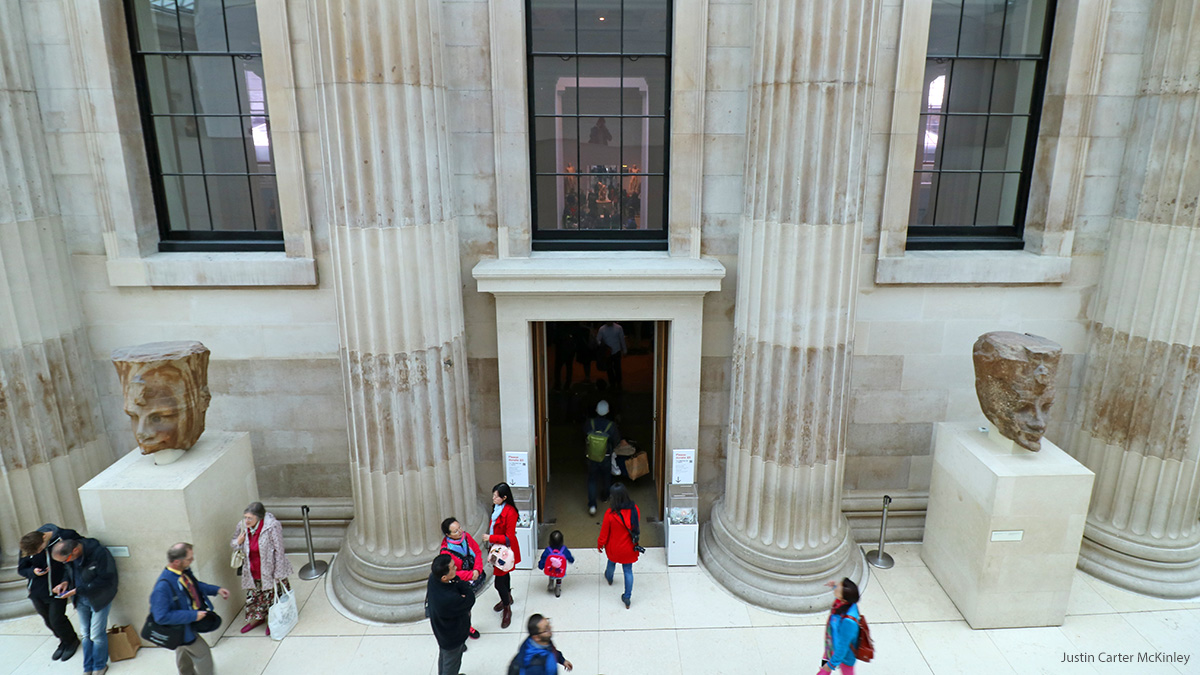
{"x": 1003, "y": 527}
{"x": 147, "y": 508}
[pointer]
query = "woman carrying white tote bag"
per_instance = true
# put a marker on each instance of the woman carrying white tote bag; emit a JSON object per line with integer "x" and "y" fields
{"x": 283, "y": 615}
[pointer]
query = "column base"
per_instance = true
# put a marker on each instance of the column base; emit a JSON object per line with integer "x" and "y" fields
{"x": 1154, "y": 570}
{"x": 795, "y": 583}
{"x": 382, "y": 591}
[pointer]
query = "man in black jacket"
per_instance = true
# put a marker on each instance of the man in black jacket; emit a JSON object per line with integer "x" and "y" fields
{"x": 449, "y": 601}
{"x": 43, "y": 573}
{"x": 92, "y": 582}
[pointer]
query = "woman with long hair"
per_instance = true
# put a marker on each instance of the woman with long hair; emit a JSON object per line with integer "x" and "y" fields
{"x": 259, "y": 535}
{"x": 841, "y": 629}
{"x": 503, "y": 530}
{"x": 619, "y": 533}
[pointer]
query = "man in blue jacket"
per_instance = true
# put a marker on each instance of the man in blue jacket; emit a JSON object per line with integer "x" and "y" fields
{"x": 538, "y": 655}
{"x": 92, "y": 583}
{"x": 179, "y": 599}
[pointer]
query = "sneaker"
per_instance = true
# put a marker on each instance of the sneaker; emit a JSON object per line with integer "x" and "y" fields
{"x": 473, "y": 634}
{"x": 591, "y": 510}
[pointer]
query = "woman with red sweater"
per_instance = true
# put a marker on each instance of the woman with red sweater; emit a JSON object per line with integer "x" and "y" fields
{"x": 619, "y": 537}
{"x": 503, "y": 530}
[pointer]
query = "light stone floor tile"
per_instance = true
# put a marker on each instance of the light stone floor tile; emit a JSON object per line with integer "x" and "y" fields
{"x": 916, "y": 595}
{"x": 897, "y": 653}
{"x": 637, "y": 652}
{"x": 239, "y": 656}
{"x": 581, "y": 648}
{"x": 422, "y": 627}
{"x": 875, "y": 604}
{"x": 579, "y": 607}
{"x": 1037, "y": 650}
{"x": 700, "y": 603}
{"x": 1173, "y": 632}
{"x": 16, "y": 649}
{"x": 903, "y": 555}
{"x": 793, "y": 649}
{"x": 730, "y": 651}
{"x": 952, "y": 648}
{"x": 765, "y": 618}
{"x": 587, "y": 560}
{"x": 1125, "y": 601}
{"x": 1109, "y": 633}
{"x": 30, "y": 625}
{"x": 1084, "y": 599}
{"x": 397, "y": 654}
{"x": 651, "y": 608}
{"x": 305, "y": 654}
{"x": 318, "y": 617}
{"x": 487, "y": 621}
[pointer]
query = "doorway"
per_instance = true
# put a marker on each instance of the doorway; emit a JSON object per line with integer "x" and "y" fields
{"x": 572, "y": 374}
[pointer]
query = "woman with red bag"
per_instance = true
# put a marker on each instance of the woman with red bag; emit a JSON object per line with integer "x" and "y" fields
{"x": 503, "y": 531}
{"x": 619, "y": 537}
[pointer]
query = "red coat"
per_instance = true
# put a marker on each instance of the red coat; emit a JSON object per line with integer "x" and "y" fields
{"x": 615, "y": 538}
{"x": 464, "y": 573}
{"x": 504, "y": 531}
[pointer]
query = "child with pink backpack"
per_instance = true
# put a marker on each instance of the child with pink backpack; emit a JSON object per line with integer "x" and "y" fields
{"x": 554, "y": 562}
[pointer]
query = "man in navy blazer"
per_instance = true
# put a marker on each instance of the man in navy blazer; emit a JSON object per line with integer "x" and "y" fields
{"x": 179, "y": 599}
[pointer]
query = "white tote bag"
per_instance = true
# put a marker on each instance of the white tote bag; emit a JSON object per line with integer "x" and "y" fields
{"x": 283, "y": 615}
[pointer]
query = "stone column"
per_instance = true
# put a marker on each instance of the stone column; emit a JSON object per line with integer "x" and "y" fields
{"x": 394, "y": 244}
{"x": 1138, "y": 423}
{"x": 52, "y": 438}
{"x": 778, "y": 534}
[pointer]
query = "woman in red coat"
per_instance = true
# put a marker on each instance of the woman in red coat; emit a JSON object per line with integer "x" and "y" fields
{"x": 619, "y": 537}
{"x": 504, "y": 531}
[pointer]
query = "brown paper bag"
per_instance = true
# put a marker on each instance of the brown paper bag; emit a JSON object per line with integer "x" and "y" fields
{"x": 638, "y": 465}
{"x": 123, "y": 643}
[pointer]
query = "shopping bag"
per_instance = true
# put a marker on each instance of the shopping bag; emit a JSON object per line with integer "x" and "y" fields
{"x": 638, "y": 465}
{"x": 283, "y": 615}
{"x": 123, "y": 643}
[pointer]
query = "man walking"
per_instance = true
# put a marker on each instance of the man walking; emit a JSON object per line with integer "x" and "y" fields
{"x": 91, "y": 579}
{"x": 611, "y": 338}
{"x": 44, "y": 573}
{"x": 538, "y": 655}
{"x": 448, "y": 601}
{"x": 179, "y": 599}
{"x": 601, "y": 435}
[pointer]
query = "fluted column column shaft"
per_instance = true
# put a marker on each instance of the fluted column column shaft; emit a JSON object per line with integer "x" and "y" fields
{"x": 1139, "y": 415}
{"x": 396, "y": 273}
{"x": 51, "y": 436}
{"x": 778, "y": 533}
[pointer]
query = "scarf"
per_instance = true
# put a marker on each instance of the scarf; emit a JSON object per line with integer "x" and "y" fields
{"x": 837, "y": 604}
{"x": 496, "y": 514}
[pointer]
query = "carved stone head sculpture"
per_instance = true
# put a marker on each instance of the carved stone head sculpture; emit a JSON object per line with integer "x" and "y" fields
{"x": 1014, "y": 379}
{"x": 165, "y": 386}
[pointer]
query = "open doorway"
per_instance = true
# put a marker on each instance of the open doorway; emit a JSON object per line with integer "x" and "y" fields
{"x": 573, "y": 373}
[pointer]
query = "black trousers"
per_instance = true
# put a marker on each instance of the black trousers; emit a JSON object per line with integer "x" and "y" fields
{"x": 54, "y": 612}
{"x": 504, "y": 588}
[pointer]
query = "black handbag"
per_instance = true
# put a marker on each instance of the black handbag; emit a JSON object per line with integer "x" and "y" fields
{"x": 208, "y": 624}
{"x": 169, "y": 637}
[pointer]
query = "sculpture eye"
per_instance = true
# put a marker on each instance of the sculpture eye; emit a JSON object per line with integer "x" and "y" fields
{"x": 155, "y": 419}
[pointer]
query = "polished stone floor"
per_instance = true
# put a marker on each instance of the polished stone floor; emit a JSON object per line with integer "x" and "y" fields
{"x": 682, "y": 622}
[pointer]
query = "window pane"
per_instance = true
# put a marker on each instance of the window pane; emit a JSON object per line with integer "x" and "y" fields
{"x": 982, "y": 21}
{"x": 930, "y": 132}
{"x": 214, "y": 85}
{"x": 551, "y": 203}
{"x": 963, "y": 141}
{"x": 229, "y": 199}
{"x": 261, "y": 158}
{"x": 555, "y": 144}
{"x": 1025, "y": 28}
{"x": 158, "y": 27}
{"x": 601, "y": 201}
{"x": 553, "y": 26}
{"x": 600, "y": 86}
{"x": 943, "y": 27}
{"x": 223, "y": 145}
{"x": 187, "y": 204}
{"x": 997, "y": 199}
{"x": 1005, "y": 144}
{"x": 646, "y": 27}
{"x": 1012, "y": 92}
{"x": 924, "y": 188}
{"x": 266, "y": 203}
{"x": 654, "y": 203}
{"x": 251, "y": 92}
{"x": 645, "y": 88}
{"x": 553, "y": 85}
{"x": 643, "y": 144}
{"x": 242, "y": 19}
{"x": 970, "y": 86}
{"x": 600, "y": 26}
{"x": 203, "y": 26}
{"x": 169, "y": 85}
{"x": 178, "y": 145}
{"x": 937, "y": 74}
{"x": 956, "y": 199}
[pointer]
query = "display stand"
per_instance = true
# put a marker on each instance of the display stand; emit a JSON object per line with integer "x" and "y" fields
{"x": 1003, "y": 527}
{"x": 681, "y": 523}
{"x": 526, "y": 526}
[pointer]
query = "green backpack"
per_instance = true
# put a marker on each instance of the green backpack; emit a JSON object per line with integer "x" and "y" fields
{"x": 597, "y": 442}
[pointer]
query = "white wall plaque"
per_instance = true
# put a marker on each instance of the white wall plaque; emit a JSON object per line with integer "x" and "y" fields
{"x": 516, "y": 469}
{"x": 683, "y": 466}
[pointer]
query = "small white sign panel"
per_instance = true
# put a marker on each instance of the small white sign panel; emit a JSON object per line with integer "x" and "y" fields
{"x": 516, "y": 469}
{"x": 683, "y": 466}
{"x": 1008, "y": 535}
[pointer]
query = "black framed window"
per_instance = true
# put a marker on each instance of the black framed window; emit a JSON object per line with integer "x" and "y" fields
{"x": 599, "y": 101}
{"x": 985, "y": 76}
{"x": 198, "y": 67}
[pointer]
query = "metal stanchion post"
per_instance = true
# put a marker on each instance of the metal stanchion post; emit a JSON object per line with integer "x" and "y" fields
{"x": 878, "y": 558}
{"x": 315, "y": 568}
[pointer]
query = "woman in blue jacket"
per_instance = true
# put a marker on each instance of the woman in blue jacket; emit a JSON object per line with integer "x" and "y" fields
{"x": 841, "y": 630}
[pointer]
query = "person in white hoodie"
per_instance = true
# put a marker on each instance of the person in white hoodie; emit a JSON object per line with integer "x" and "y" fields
{"x": 260, "y": 537}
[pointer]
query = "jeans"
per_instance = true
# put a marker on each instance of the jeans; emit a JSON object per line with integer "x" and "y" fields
{"x": 598, "y": 480}
{"x": 450, "y": 660}
{"x": 627, "y": 569}
{"x": 93, "y": 623}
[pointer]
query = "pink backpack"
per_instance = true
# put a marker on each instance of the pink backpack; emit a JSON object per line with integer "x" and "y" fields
{"x": 556, "y": 564}
{"x": 501, "y": 557}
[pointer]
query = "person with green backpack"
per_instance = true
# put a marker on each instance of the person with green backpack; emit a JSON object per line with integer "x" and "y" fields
{"x": 601, "y": 435}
